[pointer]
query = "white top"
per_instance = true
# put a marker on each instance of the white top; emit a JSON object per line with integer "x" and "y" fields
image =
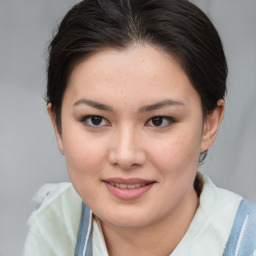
{"x": 54, "y": 225}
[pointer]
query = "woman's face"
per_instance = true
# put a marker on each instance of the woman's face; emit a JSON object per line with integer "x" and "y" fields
{"x": 132, "y": 133}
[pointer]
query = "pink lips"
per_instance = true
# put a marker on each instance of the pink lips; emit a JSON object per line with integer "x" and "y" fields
{"x": 128, "y": 189}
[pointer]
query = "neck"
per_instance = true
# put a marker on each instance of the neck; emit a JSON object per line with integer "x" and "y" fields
{"x": 159, "y": 238}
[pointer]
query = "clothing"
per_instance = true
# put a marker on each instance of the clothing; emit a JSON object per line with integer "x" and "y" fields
{"x": 242, "y": 240}
{"x": 54, "y": 225}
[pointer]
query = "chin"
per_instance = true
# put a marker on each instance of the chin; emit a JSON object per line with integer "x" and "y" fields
{"x": 124, "y": 219}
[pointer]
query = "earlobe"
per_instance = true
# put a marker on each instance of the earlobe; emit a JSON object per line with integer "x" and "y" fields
{"x": 55, "y": 126}
{"x": 211, "y": 126}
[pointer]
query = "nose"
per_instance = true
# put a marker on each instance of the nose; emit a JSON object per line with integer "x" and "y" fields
{"x": 126, "y": 149}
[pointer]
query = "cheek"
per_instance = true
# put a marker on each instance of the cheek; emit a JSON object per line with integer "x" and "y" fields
{"x": 177, "y": 153}
{"x": 84, "y": 163}
{"x": 83, "y": 156}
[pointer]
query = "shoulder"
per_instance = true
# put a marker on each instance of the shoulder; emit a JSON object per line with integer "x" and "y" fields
{"x": 52, "y": 194}
{"x": 211, "y": 226}
{"x": 242, "y": 240}
{"x": 218, "y": 199}
{"x": 233, "y": 219}
{"x": 218, "y": 203}
{"x": 55, "y": 222}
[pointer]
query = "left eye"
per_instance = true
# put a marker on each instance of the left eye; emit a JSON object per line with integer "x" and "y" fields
{"x": 95, "y": 121}
{"x": 160, "y": 121}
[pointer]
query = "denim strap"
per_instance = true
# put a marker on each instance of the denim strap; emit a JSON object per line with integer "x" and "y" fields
{"x": 242, "y": 240}
{"x": 84, "y": 236}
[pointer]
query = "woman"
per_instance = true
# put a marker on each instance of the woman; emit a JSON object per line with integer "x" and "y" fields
{"x": 136, "y": 96}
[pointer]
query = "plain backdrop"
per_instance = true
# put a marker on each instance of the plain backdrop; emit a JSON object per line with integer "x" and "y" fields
{"x": 29, "y": 156}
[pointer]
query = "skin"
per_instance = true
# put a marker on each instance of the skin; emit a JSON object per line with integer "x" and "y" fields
{"x": 128, "y": 143}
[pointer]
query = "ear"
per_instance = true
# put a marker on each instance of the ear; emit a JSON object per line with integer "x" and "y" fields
{"x": 211, "y": 126}
{"x": 57, "y": 132}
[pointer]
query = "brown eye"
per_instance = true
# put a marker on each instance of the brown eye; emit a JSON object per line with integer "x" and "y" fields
{"x": 95, "y": 121}
{"x": 157, "y": 121}
{"x": 160, "y": 121}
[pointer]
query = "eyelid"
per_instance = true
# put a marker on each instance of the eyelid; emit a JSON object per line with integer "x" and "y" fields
{"x": 169, "y": 119}
{"x": 85, "y": 119}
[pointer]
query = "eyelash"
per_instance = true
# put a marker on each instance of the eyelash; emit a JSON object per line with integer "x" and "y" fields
{"x": 167, "y": 120}
{"x": 86, "y": 119}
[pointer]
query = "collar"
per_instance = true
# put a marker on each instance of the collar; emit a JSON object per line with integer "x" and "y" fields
{"x": 211, "y": 226}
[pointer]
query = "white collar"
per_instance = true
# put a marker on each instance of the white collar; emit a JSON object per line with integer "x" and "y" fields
{"x": 210, "y": 228}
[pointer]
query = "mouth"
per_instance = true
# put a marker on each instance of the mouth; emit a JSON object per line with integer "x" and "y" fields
{"x": 128, "y": 189}
{"x": 127, "y": 186}
{"x": 131, "y": 183}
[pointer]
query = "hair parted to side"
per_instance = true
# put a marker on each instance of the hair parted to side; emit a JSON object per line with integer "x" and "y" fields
{"x": 176, "y": 26}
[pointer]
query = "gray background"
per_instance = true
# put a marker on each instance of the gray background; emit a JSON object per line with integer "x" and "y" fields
{"x": 29, "y": 156}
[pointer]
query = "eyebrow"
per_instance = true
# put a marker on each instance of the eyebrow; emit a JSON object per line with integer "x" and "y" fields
{"x": 145, "y": 108}
{"x": 161, "y": 104}
{"x": 93, "y": 104}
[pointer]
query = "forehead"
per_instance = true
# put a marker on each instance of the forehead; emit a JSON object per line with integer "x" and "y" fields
{"x": 140, "y": 73}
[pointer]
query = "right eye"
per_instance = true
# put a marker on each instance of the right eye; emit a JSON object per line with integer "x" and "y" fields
{"x": 95, "y": 121}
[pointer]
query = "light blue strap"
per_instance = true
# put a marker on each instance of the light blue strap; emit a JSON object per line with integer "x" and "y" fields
{"x": 242, "y": 240}
{"x": 84, "y": 236}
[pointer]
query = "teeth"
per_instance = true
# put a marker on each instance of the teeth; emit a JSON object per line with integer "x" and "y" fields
{"x": 123, "y": 186}
{"x": 139, "y": 185}
{"x": 129, "y": 186}
{"x": 132, "y": 186}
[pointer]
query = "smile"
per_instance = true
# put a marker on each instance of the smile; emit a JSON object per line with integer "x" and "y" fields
{"x": 128, "y": 189}
{"x": 125, "y": 186}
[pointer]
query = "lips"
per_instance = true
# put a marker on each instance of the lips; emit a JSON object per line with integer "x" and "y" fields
{"x": 128, "y": 189}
